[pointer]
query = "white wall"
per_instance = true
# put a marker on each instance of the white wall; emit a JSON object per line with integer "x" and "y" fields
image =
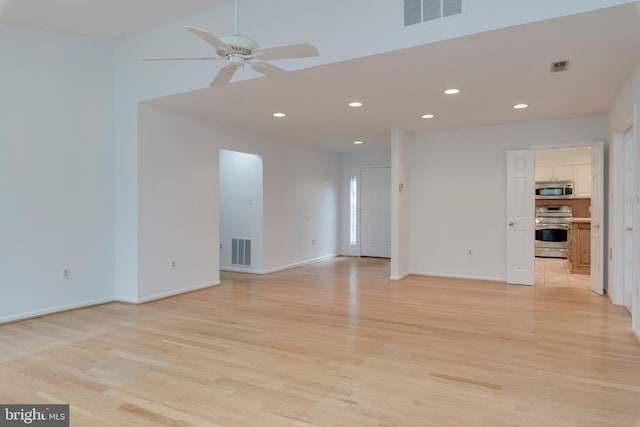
{"x": 301, "y": 204}
{"x": 179, "y": 201}
{"x": 241, "y": 206}
{"x": 621, "y": 116}
{"x": 56, "y": 172}
{"x": 365, "y": 158}
{"x": 458, "y": 182}
{"x": 563, "y": 156}
{"x": 177, "y": 205}
{"x": 358, "y": 28}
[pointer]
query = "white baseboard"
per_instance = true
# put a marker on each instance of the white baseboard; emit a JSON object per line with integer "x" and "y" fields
{"x": 402, "y": 276}
{"x": 458, "y": 276}
{"x": 298, "y": 264}
{"x": 240, "y": 270}
{"x": 126, "y": 300}
{"x": 174, "y": 293}
{"x": 53, "y": 310}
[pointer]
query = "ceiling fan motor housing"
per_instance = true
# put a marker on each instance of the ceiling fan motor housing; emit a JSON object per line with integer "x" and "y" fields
{"x": 240, "y": 46}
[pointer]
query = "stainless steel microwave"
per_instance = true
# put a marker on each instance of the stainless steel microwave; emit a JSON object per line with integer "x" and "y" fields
{"x": 554, "y": 189}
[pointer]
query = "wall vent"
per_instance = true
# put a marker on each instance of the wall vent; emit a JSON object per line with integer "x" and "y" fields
{"x": 416, "y": 11}
{"x": 241, "y": 252}
{"x": 556, "y": 67}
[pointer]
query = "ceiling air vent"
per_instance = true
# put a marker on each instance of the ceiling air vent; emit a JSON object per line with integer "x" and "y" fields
{"x": 556, "y": 67}
{"x": 416, "y": 11}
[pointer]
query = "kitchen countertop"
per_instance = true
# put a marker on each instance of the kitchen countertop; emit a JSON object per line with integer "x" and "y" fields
{"x": 580, "y": 219}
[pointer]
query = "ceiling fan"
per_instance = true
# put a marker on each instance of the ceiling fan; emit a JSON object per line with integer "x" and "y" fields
{"x": 239, "y": 50}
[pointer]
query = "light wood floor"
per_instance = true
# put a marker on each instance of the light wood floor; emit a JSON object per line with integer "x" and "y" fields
{"x": 334, "y": 344}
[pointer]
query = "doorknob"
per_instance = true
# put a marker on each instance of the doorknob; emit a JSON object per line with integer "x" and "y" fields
{"x": 511, "y": 223}
{"x": 627, "y": 228}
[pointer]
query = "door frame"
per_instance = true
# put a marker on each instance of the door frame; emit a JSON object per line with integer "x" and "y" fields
{"x": 616, "y": 220}
{"x": 605, "y": 193}
{"x": 598, "y": 229}
{"x": 628, "y": 220}
{"x": 635, "y": 304}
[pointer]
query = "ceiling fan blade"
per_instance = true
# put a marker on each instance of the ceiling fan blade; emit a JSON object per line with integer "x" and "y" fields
{"x": 210, "y": 38}
{"x": 267, "y": 69}
{"x": 199, "y": 58}
{"x": 224, "y": 76}
{"x": 302, "y": 50}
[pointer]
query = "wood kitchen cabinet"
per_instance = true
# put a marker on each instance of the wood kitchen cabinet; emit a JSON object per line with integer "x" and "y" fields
{"x": 580, "y": 246}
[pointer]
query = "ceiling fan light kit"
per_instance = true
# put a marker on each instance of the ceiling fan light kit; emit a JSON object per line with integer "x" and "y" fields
{"x": 239, "y": 50}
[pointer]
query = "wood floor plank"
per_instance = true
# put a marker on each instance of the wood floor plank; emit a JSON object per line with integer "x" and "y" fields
{"x": 334, "y": 344}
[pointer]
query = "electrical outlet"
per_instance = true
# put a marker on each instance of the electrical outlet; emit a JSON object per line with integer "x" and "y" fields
{"x": 313, "y": 243}
{"x": 65, "y": 273}
{"x": 172, "y": 264}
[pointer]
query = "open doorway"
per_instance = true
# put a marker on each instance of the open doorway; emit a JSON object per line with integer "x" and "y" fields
{"x": 241, "y": 212}
{"x": 563, "y": 217}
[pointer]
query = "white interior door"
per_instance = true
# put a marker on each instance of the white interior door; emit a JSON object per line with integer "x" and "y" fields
{"x": 597, "y": 253}
{"x": 628, "y": 272}
{"x": 375, "y": 198}
{"x": 520, "y": 217}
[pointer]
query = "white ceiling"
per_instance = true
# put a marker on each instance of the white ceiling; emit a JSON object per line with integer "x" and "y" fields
{"x": 494, "y": 70}
{"x": 109, "y": 19}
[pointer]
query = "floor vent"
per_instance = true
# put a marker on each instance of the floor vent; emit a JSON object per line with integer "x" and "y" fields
{"x": 416, "y": 11}
{"x": 556, "y": 67}
{"x": 241, "y": 252}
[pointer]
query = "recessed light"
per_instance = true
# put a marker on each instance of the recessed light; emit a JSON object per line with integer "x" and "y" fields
{"x": 279, "y": 115}
{"x": 452, "y": 91}
{"x": 520, "y": 106}
{"x": 428, "y": 116}
{"x": 355, "y": 104}
{"x": 357, "y": 142}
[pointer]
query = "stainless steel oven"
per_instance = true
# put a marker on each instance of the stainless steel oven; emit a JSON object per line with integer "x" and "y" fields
{"x": 552, "y": 231}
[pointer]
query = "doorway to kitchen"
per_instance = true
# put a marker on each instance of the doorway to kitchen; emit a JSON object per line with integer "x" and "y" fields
{"x": 563, "y": 217}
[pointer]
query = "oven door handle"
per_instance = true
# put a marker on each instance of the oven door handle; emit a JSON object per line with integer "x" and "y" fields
{"x": 552, "y": 227}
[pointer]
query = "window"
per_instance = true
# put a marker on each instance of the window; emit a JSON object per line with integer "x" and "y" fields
{"x": 353, "y": 210}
